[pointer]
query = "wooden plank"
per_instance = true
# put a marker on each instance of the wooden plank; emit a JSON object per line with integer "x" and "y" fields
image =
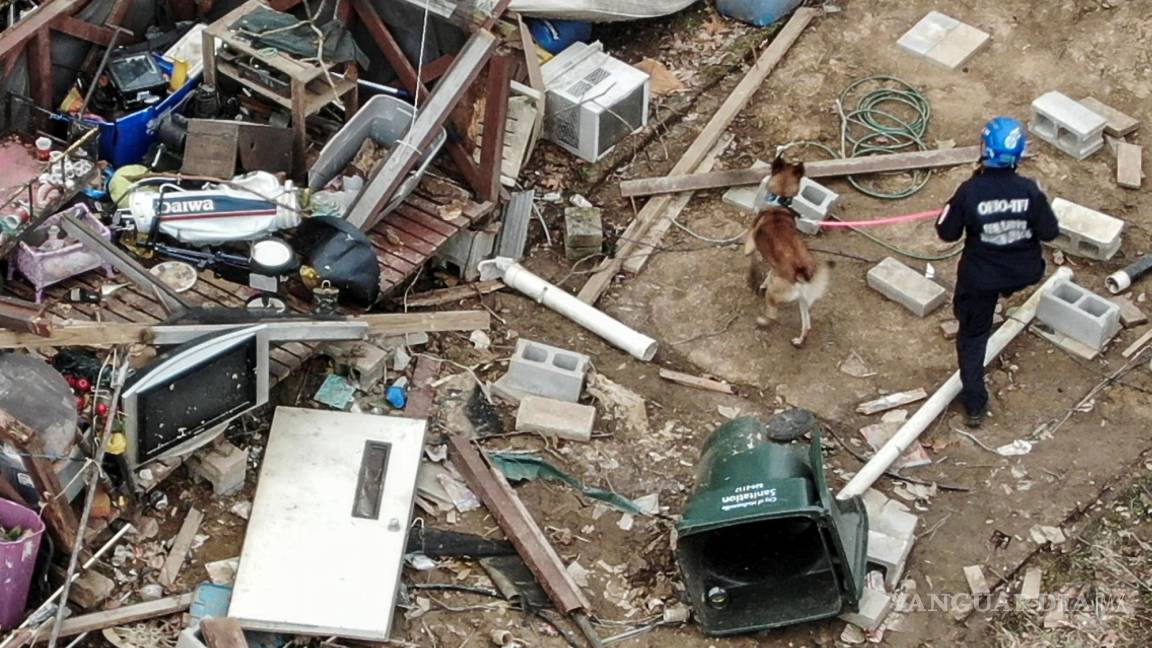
{"x": 655, "y": 234}
{"x": 434, "y": 223}
{"x": 815, "y": 169}
{"x": 892, "y": 401}
{"x": 181, "y": 545}
{"x": 412, "y": 228}
{"x": 48, "y": 13}
{"x": 689, "y": 380}
{"x": 223, "y": 633}
{"x": 76, "y": 28}
{"x": 124, "y": 615}
{"x": 40, "y": 69}
{"x": 721, "y": 119}
{"x": 1119, "y": 124}
{"x": 364, "y": 212}
{"x": 212, "y": 148}
{"x": 58, "y": 514}
{"x": 24, "y": 316}
{"x": 396, "y": 236}
{"x": 1129, "y": 165}
{"x": 496, "y": 115}
{"x": 1135, "y": 346}
{"x": 454, "y": 294}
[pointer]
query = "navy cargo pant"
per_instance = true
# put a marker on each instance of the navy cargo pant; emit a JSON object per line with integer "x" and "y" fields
{"x": 974, "y": 311}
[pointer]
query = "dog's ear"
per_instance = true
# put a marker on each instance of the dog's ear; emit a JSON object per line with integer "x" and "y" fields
{"x": 778, "y": 164}
{"x": 800, "y": 170}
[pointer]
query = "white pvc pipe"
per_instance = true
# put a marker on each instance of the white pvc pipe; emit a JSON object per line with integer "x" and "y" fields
{"x": 915, "y": 426}
{"x": 637, "y": 344}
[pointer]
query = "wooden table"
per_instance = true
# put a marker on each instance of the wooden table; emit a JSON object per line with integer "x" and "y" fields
{"x": 313, "y": 86}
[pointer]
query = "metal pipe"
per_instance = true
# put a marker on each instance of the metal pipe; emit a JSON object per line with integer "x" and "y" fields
{"x": 915, "y": 426}
{"x": 1121, "y": 280}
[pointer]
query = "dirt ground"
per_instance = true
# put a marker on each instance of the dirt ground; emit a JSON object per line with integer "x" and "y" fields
{"x": 692, "y": 298}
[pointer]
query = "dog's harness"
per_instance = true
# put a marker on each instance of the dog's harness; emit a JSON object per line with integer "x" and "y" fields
{"x": 772, "y": 200}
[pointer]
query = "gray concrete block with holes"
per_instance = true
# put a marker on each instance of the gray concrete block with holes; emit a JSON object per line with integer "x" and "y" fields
{"x": 542, "y": 370}
{"x": 813, "y": 204}
{"x": 1067, "y": 124}
{"x": 1080, "y": 314}
{"x": 1086, "y": 232}
{"x": 906, "y": 287}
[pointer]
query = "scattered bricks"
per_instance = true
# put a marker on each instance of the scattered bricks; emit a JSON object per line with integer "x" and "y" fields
{"x": 888, "y": 554}
{"x": 906, "y": 287}
{"x": 541, "y": 370}
{"x": 1129, "y": 165}
{"x": 976, "y": 581}
{"x": 1130, "y": 314}
{"x": 1067, "y": 125}
{"x": 1080, "y": 314}
{"x": 366, "y": 362}
{"x": 1030, "y": 589}
{"x": 224, "y": 466}
{"x": 813, "y": 205}
{"x": 950, "y": 328}
{"x": 893, "y": 522}
{"x": 1119, "y": 124}
{"x": 583, "y": 232}
{"x": 944, "y": 40}
{"x": 91, "y": 589}
{"x": 552, "y": 417}
{"x": 874, "y": 608}
{"x": 1086, "y": 232}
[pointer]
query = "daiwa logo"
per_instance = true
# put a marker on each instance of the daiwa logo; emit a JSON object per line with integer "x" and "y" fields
{"x": 187, "y": 206}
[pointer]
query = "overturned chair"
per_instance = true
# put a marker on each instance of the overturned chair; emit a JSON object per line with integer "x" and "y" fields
{"x": 762, "y": 542}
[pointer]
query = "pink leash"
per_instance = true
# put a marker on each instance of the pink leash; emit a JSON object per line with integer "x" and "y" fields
{"x": 907, "y": 218}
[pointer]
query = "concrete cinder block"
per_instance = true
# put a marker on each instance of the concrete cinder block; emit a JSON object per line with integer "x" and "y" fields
{"x": 467, "y": 248}
{"x": 977, "y": 584}
{"x": 562, "y": 419}
{"x": 223, "y": 465}
{"x": 906, "y": 287}
{"x": 894, "y": 522}
{"x": 888, "y": 554}
{"x": 542, "y": 370}
{"x": 1119, "y": 124}
{"x": 366, "y": 362}
{"x": 1086, "y": 232}
{"x": 813, "y": 204}
{"x": 1080, "y": 314}
{"x": 874, "y": 608}
{"x": 583, "y": 232}
{"x": 1067, "y": 124}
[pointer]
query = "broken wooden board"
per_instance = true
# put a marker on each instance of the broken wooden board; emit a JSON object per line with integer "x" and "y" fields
{"x": 223, "y": 633}
{"x": 1137, "y": 345}
{"x": 1129, "y": 165}
{"x": 265, "y": 148}
{"x": 815, "y": 169}
{"x": 123, "y": 616}
{"x": 1119, "y": 124}
{"x": 453, "y": 294}
{"x": 653, "y": 210}
{"x": 181, "y": 545}
{"x": 210, "y": 148}
{"x": 117, "y": 333}
{"x": 892, "y": 401}
{"x": 689, "y": 380}
{"x": 1130, "y": 314}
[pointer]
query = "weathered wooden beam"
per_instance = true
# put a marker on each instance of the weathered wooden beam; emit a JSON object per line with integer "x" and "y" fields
{"x": 365, "y": 212}
{"x": 124, "y": 615}
{"x": 688, "y": 380}
{"x": 104, "y": 334}
{"x": 91, "y": 32}
{"x": 61, "y": 519}
{"x": 47, "y": 15}
{"x": 453, "y": 294}
{"x": 40, "y": 69}
{"x": 815, "y": 169}
{"x": 24, "y": 316}
{"x": 495, "y": 120}
{"x": 721, "y": 119}
{"x": 181, "y": 545}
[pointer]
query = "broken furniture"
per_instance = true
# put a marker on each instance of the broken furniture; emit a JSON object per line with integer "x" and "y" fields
{"x": 386, "y": 121}
{"x": 45, "y": 258}
{"x": 593, "y": 100}
{"x": 310, "y": 87}
{"x": 332, "y": 510}
{"x": 762, "y": 543}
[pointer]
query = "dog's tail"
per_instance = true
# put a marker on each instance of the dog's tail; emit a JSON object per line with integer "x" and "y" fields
{"x": 817, "y": 284}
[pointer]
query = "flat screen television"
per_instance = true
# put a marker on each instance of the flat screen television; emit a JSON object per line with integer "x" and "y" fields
{"x": 187, "y": 395}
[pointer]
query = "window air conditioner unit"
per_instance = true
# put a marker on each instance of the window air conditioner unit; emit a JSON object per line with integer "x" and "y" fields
{"x": 593, "y": 100}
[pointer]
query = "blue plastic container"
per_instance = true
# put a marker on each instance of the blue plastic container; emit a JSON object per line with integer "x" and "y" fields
{"x": 757, "y": 12}
{"x": 126, "y": 140}
{"x": 556, "y": 35}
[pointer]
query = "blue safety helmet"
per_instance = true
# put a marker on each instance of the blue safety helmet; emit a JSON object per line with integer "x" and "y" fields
{"x": 1004, "y": 142}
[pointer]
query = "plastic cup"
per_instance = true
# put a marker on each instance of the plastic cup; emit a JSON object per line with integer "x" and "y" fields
{"x": 43, "y": 148}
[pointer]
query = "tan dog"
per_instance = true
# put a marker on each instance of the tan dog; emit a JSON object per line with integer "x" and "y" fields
{"x": 782, "y": 268}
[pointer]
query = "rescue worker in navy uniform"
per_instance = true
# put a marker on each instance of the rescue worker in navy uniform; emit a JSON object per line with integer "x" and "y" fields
{"x": 1004, "y": 217}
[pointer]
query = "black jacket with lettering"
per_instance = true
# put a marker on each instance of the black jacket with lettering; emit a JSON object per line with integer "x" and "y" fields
{"x": 1005, "y": 217}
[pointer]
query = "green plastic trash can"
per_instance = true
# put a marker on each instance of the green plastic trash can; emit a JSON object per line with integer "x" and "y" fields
{"x": 762, "y": 542}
